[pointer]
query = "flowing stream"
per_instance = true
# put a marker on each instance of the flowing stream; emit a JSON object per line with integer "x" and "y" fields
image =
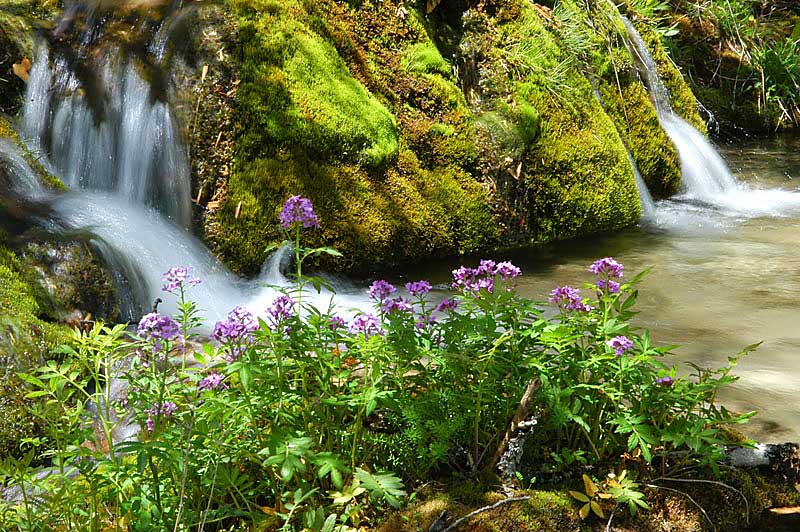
{"x": 723, "y": 250}
{"x": 721, "y": 279}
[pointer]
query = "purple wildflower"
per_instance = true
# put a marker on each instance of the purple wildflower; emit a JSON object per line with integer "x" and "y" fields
{"x": 335, "y": 323}
{"x": 212, "y": 381}
{"x": 165, "y": 409}
{"x": 380, "y": 290}
{"x": 157, "y": 327}
{"x": 507, "y": 271}
{"x": 237, "y": 327}
{"x": 475, "y": 279}
{"x": 282, "y": 308}
{"x": 568, "y": 298}
{"x": 613, "y": 286}
{"x": 177, "y": 278}
{"x": 397, "y": 304}
{"x": 485, "y": 267}
{"x": 298, "y": 210}
{"x": 620, "y": 344}
{"x": 366, "y": 324}
{"x": 168, "y": 408}
{"x": 418, "y": 288}
{"x": 665, "y": 381}
{"x": 608, "y": 267}
{"x": 447, "y": 305}
{"x": 235, "y": 353}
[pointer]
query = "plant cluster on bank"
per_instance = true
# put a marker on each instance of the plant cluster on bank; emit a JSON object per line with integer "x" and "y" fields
{"x": 303, "y": 419}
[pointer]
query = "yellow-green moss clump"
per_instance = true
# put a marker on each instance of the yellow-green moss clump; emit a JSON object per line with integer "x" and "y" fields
{"x": 421, "y": 134}
{"x": 24, "y": 340}
{"x": 575, "y": 178}
{"x": 322, "y": 114}
{"x": 624, "y": 97}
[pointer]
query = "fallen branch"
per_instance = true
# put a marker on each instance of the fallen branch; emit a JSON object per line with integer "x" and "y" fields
{"x": 509, "y": 452}
{"x": 705, "y": 514}
{"x": 476, "y": 512}
{"x": 716, "y": 483}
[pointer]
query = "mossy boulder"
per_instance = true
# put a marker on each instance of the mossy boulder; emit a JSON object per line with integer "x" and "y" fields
{"x": 419, "y": 134}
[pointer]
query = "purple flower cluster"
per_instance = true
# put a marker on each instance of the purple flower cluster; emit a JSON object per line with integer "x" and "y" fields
{"x": 507, "y": 271}
{"x": 212, "y": 381}
{"x": 380, "y": 290}
{"x": 568, "y": 298}
{"x": 166, "y": 409}
{"x": 482, "y": 278}
{"x": 418, "y": 288}
{"x": 447, "y": 305}
{"x": 156, "y": 328}
{"x": 239, "y": 326}
{"x": 298, "y": 210}
{"x": 177, "y": 278}
{"x": 282, "y": 308}
{"x": 366, "y": 324}
{"x": 665, "y": 381}
{"x": 397, "y": 304}
{"x": 335, "y": 322}
{"x": 612, "y": 286}
{"x": 607, "y": 267}
{"x": 620, "y": 344}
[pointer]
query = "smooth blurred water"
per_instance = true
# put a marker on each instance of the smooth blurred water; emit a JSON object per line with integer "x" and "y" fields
{"x": 723, "y": 277}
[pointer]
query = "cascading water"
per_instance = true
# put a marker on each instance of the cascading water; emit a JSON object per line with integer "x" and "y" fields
{"x": 117, "y": 145}
{"x": 706, "y": 177}
{"x": 117, "y": 136}
{"x": 645, "y": 198}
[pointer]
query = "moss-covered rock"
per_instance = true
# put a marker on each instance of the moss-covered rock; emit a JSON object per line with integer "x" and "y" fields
{"x": 401, "y": 125}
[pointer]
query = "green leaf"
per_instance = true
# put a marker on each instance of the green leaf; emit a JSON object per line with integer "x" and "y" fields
{"x": 384, "y": 486}
{"x": 579, "y": 496}
{"x": 584, "y": 511}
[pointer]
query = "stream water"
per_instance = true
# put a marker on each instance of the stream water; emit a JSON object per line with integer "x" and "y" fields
{"x": 722, "y": 279}
{"x": 723, "y": 251}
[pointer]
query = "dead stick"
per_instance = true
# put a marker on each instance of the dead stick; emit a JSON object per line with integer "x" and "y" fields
{"x": 486, "y": 509}
{"x": 522, "y": 413}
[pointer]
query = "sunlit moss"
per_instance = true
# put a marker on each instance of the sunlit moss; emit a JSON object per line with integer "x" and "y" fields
{"x": 297, "y": 93}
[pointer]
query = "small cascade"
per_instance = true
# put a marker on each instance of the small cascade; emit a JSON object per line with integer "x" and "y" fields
{"x": 100, "y": 126}
{"x": 100, "y": 119}
{"x": 705, "y": 174}
{"x": 645, "y": 198}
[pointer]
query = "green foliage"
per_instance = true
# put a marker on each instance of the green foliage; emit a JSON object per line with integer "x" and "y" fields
{"x": 293, "y": 421}
{"x": 425, "y": 58}
{"x": 742, "y": 57}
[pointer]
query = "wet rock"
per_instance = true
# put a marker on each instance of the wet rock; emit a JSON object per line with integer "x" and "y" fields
{"x": 75, "y": 284}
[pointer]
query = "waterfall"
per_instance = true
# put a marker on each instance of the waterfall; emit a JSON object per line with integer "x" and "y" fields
{"x": 706, "y": 177}
{"x": 645, "y": 199}
{"x": 705, "y": 174}
{"x": 94, "y": 121}
{"x": 115, "y": 137}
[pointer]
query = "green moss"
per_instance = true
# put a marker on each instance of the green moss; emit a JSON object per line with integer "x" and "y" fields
{"x": 407, "y": 213}
{"x": 425, "y": 58}
{"x": 24, "y": 340}
{"x": 297, "y": 93}
{"x": 544, "y": 511}
{"x": 576, "y": 177}
{"x": 681, "y": 96}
